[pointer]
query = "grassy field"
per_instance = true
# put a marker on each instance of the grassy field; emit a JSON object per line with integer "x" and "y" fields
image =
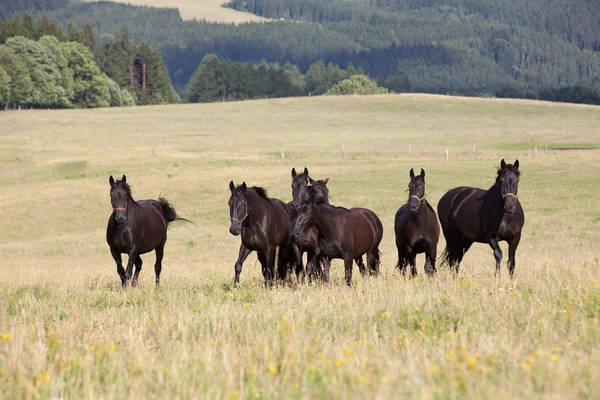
{"x": 67, "y": 330}
{"x": 209, "y": 10}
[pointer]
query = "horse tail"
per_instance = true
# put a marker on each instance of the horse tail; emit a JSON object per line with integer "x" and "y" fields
{"x": 445, "y": 258}
{"x": 169, "y": 211}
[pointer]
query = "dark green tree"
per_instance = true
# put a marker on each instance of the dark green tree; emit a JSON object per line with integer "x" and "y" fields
{"x": 4, "y": 88}
{"x": 21, "y": 88}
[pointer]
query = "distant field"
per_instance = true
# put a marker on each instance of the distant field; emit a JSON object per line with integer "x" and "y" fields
{"x": 210, "y": 10}
{"x": 67, "y": 330}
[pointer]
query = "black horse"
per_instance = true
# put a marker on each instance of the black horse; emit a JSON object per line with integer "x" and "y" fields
{"x": 265, "y": 225}
{"x": 135, "y": 228}
{"x": 343, "y": 233}
{"x": 484, "y": 216}
{"x": 309, "y": 241}
{"x": 320, "y": 192}
{"x": 417, "y": 228}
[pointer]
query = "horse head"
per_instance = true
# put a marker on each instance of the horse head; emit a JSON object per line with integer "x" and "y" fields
{"x": 416, "y": 190}
{"x": 120, "y": 193}
{"x": 299, "y": 188}
{"x": 320, "y": 193}
{"x": 238, "y": 207}
{"x": 508, "y": 179}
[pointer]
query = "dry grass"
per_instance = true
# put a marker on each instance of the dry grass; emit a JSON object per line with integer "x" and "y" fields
{"x": 68, "y": 331}
{"x": 210, "y": 10}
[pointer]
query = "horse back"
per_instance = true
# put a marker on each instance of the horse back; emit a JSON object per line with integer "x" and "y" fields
{"x": 366, "y": 227}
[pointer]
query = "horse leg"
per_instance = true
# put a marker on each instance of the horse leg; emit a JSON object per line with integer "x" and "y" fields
{"x": 120, "y": 269}
{"x": 373, "y": 261}
{"x": 129, "y": 270}
{"x": 348, "y": 261}
{"x": 430, "y": 260}
{"x": 262, "y": 259}
{"x": 160, "y": 251}
{"x": 412, "y": 259}
{"x": 462, "y": 248}
{"x": 243, "y": 254}
{"x": 310, "y": 265}
{"x": 299, "y": 264}
{"x": 512, "y": 249}
{"x": 326, "y": 265}
{"x": 361, "y": 265}
{"x": 269, "y": 271}
{"x": 497, "y": 254}
{"x": 138, "y": 268}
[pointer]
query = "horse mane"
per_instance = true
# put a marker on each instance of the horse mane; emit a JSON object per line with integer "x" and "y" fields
{"x": 511, "y": 168}
{"x": 262, "y": 192}
{"x": 334, "y": 207}
{"x": 125, "y": 186}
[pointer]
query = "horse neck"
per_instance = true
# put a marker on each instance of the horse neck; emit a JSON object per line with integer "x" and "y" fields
{"x": 494, "y": 192}
{"x": 256, "y": 206}
{"x": 321, "y": 218}
{"x": 132, "y": 206}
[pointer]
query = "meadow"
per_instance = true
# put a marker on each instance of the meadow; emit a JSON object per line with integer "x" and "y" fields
{"x": 210, "y": 10}
{"x": 68, "y": 330}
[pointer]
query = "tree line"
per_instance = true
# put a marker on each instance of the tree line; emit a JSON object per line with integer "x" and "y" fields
{"x": 43, "y": 66}
{"x": 223, "y": 80}
{"x": 438, "y": 46}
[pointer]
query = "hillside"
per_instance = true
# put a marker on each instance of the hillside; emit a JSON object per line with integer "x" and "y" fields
{"x": 442, "y": 46}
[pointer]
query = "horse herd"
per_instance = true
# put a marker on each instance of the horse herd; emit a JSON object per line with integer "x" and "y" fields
{"x": 281, "y": 232}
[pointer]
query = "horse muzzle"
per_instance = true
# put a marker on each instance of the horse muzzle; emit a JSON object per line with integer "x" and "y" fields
{"x": 235, "y": 229}
{"x": 120, "y": 214}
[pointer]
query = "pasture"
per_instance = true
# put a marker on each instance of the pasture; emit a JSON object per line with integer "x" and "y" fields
{"x": 210, "y": 10}
{"x": 67, "y": 330}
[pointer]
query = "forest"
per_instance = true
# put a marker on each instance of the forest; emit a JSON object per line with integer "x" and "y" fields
{"x": 42, "y": 66}
{"x": 544, "y": 49}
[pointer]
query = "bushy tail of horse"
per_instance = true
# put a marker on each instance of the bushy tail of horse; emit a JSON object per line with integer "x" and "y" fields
{"x": 453, "y": 252}
{"x": 169, "y": 211}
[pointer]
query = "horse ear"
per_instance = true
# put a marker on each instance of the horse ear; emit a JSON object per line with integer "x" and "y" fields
{"x": 422, "y": 173}
{"x": 231, "y": 187}
{"x": 311, "y": 180}
{"x": 516, "y": 164}
{"x": 502, "y": 164}
{"x": 305, "y": 171}
{"x": 294, "y": 172}
{"x": 243, "y": 187}
{"x": 412, "y": 173}
{"x": 326, "y": 181}
{"x": 124, "y": 179}
{"x": 111, "y": 180}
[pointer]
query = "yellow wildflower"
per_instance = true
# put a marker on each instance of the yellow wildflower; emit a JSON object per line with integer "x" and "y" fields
{"x": 471, "y": 363}
{"x": 5, "y": 336}
{"x": 339, "y": 362}
{"x": 272, "y": 369}
{"x": 44, "y": 377}
{"x": 432, "y": 368}
{"x": 384, "y": 379}
{"x": 526, "y": 366}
